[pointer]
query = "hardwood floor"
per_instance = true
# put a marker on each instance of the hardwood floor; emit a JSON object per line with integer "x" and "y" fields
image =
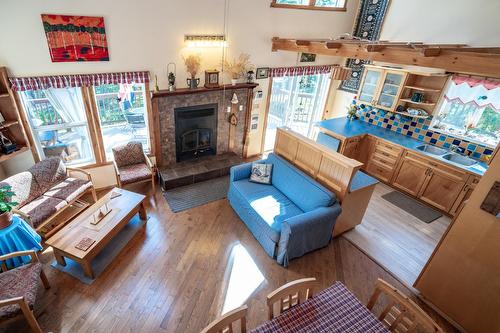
{"x": 396, "y": 239}
{"x": 180, "y": 271}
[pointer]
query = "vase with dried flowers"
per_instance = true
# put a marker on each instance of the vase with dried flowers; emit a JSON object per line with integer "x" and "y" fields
{"x": 237, "y": 68}
{"x": 6, "y": 206}
{"x": 192, "y": 63}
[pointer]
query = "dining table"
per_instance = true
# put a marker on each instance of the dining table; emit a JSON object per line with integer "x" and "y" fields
{"x": 333, "y": 310}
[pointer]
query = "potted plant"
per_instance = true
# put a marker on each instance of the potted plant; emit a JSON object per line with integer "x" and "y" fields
{"x": 237, "y": 68}
{"x": 6, "y": 206}
{"x": 192, "y": 63}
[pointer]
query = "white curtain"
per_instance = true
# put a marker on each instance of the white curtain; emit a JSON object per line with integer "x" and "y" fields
{"x": 68, "y": 103}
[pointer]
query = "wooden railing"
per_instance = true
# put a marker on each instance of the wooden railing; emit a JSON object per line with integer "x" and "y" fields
{"x": 333, "y": 170}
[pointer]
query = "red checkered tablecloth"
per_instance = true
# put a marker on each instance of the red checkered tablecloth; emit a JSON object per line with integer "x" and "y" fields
{"x": 333, "y": 310}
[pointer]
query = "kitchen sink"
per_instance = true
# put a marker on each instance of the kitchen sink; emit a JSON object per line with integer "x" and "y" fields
{"x": 459, "y": 159}
{"x": 433, "y": 150}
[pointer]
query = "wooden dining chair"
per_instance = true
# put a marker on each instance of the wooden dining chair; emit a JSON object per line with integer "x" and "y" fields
{"x": 225, "y": 323}
{"x": 289, "y": 295}
{"x": 401, "y": 315}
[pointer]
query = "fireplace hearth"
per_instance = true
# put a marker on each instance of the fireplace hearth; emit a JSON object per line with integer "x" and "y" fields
{"x": 195, "y": 131}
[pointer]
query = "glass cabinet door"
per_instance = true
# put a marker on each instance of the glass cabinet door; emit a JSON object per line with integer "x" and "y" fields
{"x": 369, "y": 88}
{"x": 390, "y": 89}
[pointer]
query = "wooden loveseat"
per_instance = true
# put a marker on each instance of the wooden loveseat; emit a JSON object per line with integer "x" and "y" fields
{"x": 48, "y": 190}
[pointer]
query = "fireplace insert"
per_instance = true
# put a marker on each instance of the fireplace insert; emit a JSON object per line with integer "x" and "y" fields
{"x": 195, "y": 131}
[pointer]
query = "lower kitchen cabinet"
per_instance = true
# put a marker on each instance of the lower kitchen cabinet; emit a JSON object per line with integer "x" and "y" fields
{"x": 411, "y": 175}
{"x": 440, "y": 189}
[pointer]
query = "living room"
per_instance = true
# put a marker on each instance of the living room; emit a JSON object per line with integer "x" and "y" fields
{"x": 204, "y": 166}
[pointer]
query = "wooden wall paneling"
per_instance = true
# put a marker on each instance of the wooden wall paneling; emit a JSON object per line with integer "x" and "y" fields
{"x": 94, "y": 124}
{"x": 286, "y": 145}
{"x": 308, "y": 158}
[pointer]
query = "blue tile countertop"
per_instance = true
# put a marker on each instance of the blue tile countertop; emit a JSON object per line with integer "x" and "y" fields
{"x": 351, "y": 128}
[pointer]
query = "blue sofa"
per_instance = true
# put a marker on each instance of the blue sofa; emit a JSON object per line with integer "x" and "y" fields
{"x": 289, "y": 218}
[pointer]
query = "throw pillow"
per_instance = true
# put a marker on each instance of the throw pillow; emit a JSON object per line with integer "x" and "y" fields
{"x": 261, "y": 173}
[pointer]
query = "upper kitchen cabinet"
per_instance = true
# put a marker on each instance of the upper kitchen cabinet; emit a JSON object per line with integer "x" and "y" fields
{"x": 381, "y": 87}
{"x": 386, "y": 88}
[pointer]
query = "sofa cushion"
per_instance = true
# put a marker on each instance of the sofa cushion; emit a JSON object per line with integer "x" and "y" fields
{"x": 301, "y": 189}
{"x": 272, "y": 206}
{"x": 69, "y": 189}
{"x": 48, "y": 172}
{"x": 25, "y": 187}
{"x": 128, "y": 154}
{"x": 17, "y": 282}
{"x": 134, "y": 173}
{"x": 42, "y": 208}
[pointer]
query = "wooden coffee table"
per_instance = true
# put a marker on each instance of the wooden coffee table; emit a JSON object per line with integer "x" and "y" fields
{"x": 121, "y": 211}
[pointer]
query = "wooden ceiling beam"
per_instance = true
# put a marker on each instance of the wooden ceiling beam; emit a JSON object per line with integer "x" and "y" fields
{"x": 457, "y": 60}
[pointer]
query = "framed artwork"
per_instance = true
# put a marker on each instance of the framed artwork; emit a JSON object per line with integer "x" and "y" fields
{"x": 75, "y": 38}
{"x": 211, "y": 79}
{"x": 307, "y": 57}
{"x": 262, "y": 73}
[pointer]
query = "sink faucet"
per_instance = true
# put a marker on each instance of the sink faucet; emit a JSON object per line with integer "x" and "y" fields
{"x": 457, "y": 149}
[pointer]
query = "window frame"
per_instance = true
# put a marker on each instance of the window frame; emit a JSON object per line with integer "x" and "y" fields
{"x": 460, "y": 136}
{"x": 310, "y": 6}
{"x": 94, "y": 128}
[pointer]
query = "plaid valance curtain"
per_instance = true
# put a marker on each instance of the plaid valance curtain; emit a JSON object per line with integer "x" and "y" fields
{"x": 301, "y": 70}
{"x": 76, "y": 80}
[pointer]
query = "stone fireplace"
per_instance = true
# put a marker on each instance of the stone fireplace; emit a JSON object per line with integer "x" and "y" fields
{"x": 195, "y": 131}
{"x": 191, "y": 123}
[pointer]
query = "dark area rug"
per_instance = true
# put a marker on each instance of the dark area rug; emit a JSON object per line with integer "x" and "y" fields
{"x": 194, "y": 195}
{"x": 412, "y": 206}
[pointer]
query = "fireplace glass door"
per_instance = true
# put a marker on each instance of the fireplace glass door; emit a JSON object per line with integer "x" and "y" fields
{"x": 296, "y": 102}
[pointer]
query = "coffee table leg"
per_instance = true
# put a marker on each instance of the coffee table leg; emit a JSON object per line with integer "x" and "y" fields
{"x": 87, "y": 268}
{"x": 59, "y": 258}
{"x": 142, "y": 212}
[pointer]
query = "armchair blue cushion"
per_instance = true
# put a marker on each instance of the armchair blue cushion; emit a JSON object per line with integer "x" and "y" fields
{"x": 289, "y": 218}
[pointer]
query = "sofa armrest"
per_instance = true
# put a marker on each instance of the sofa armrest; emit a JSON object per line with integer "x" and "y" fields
{"x": 306, "y": 232}
{"x": 241, "y": 171}
{"x": 149, "y": 163}
{"x": 82, "y": 173}
{"x": 31, "y": 253}
{"x": 23, "y": 215}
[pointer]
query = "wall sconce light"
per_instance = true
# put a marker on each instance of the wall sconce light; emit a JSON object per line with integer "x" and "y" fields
{"x": 205, "y": 40}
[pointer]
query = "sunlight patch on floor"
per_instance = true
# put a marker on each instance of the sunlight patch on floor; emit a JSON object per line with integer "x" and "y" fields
{"x": 244, "y": 279}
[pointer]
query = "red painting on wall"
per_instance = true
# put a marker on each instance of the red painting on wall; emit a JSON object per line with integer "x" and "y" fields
{"x": 75, "y": 38}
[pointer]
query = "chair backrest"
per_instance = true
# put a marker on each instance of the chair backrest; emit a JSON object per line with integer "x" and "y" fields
{"x": 401, "y": 315}
{"x": 225, "y": 323}
{"x": 128, "y": 154}
{"x": 289, "y": 295}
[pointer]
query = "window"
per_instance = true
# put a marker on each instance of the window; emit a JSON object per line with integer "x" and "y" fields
{"x": 470, "y": 109}
{"x": 57, "y": 106}
{"x": 122, "y": 115}
{"x": 338, "y": 5}
{"x": 296, "y": 102}
{"x": 59, "y": 124}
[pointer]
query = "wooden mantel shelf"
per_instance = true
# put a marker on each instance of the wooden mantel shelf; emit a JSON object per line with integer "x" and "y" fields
{"x": 186, "y": 91}
{"x": 458, "y": 58}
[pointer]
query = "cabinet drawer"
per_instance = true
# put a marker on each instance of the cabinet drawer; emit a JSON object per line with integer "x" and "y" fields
{"x": 389, "y": 148}
{"x": 384, "y": 157}
{"x": 389, "y": 162}
{"x": 440, "y": 167}
{"x": 379, "y": 170}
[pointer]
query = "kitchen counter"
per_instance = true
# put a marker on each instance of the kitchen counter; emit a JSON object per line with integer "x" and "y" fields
{"x": 350, "y": 128}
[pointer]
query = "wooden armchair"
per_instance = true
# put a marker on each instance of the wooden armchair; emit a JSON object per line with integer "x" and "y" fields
{"x": 18, "y": 289}
{"x": 401, "y": 315}
{"x": 132, "y": 165}
{"x": 289, "y": 295}
{"x": 225, "y": 323}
